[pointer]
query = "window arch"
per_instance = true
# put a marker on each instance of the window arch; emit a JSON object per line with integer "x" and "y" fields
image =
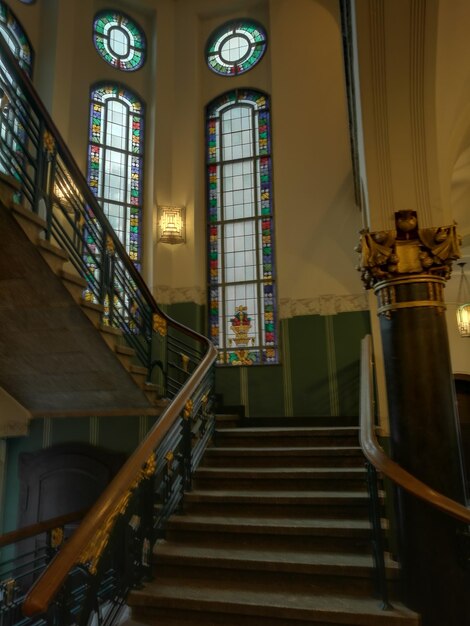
{"x": 115, "y": 161}
{"x": 243, "y": 317}
{"x": 16, "y": 38}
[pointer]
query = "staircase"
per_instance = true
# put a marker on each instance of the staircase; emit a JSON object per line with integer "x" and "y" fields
{"x": 57, "y": 356}
{"x": 275, "y": 531}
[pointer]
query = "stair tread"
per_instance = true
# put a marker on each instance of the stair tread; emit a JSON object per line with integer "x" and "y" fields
{"x": 73, "y": 278}
{"x": 358, "y": 610}
{"x": 283, "y": 451}
{"x": 265, "y": 525}
{"x": 276, "y": 472}
{"x": 275, "y": 495}
{"x": 352, "y": 564}
{"x": 293, "y": 431}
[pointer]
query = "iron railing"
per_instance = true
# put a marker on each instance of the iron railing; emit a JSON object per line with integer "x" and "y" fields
{"x": 88, "y": 579}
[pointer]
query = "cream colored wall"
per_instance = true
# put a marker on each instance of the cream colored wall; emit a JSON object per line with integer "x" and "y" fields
{"x": 316, "y": 220}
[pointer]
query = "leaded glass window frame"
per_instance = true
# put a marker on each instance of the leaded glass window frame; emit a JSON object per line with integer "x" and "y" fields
{"x": 16, "y": 38}
{"x": 121, "y": 200}
{"x": 236, "y": 47}
{"x": 126, "y": 32}
{"x": 242, "y": 281}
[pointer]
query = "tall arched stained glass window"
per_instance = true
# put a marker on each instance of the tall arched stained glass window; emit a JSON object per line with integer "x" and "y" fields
{"x": 243, "y": 320}
{"x": 16, "y": 38}
{"x": 115, "y": 161}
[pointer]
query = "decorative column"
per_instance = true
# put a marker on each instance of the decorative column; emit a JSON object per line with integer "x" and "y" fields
{"x": 407, "y": 268}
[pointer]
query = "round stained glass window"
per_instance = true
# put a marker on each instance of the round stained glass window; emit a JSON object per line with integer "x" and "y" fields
{"x": 119, "y": 40}
{"x": 236, "y": 47}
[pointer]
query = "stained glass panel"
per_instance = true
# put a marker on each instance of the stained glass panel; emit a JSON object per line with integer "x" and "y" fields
{"x": 115, "y": 161}
{"x": 119, "y": 40}
{"x": 236, "y": 47}
{"x": 16, "y": 38}
{"x": 242, "y": 297}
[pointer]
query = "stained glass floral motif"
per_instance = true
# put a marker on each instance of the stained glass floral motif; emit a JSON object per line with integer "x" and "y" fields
{"x": 119, "y": 41}
{"x": 16, "y": 38}
{"x": 115, "y": 161}
{"x": 236, "y": 47}
{"x": 242, "y": 300}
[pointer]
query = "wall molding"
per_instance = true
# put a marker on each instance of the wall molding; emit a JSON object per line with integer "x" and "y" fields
{"x": 164, "y": 294}
{"x": 323, "y": 305}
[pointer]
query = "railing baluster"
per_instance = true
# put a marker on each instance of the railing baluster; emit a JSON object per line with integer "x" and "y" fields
{"x": 378, "y": 544}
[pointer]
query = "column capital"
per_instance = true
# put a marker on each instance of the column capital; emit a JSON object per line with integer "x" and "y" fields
{"x": 407, "y": 251}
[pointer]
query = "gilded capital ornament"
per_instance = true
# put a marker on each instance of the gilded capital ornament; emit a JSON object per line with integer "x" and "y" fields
{"x": 407, "y": 250}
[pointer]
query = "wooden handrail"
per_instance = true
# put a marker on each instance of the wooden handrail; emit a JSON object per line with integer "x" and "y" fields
{"x": 376, "y": 455}
{"x": 48, "y": 584}
{"x": 40, "y": 527}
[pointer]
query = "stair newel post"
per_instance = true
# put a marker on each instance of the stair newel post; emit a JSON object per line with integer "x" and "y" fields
{"x": 378, "y": 546}
{"x": 187, "y": 414}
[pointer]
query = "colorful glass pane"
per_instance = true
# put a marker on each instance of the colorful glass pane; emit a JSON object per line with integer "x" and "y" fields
{"x": 16, "y": 38}
{"x": 115, "y": 161}
{"x": 236, "y": 47}
{"x": 242, "y": 300}
{"x": 119, "y": 41}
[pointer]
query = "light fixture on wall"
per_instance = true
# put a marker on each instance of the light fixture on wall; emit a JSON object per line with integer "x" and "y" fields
{"x": 172, "y": 224}
{"x": 463, "y": 304}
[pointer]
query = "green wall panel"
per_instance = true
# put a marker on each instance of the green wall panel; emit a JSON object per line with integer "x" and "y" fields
{"x": 227, "y": 383}
{"x": 309, "y": 367}
{"x": 190, "y": 314}
{"x": 349, "y": 329}
{"x": 64, "y": 430}
{"x": 265, "y": 391}
{"x": 119, "y": 433}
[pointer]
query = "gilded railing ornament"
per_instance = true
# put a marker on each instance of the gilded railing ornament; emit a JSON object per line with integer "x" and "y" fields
{"x": 407, "y": 250}
{"x": 159, "y": 324}
{"x": 188, "y": 409}
{"x": 48, "y": 142}
{"x": 169, "y": 458}
{"x": 185, "y": 362}
{"x": 92, "y": 554}
{"x": 110, "y": 248}
{"x": 57, "y": 537}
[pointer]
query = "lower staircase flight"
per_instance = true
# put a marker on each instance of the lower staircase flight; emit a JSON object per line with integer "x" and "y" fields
{"x": 275, "y": 531}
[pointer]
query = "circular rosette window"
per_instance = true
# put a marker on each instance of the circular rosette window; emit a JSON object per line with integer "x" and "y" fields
{"x": 236, "y": 47}
{"x": 119, "y": 41}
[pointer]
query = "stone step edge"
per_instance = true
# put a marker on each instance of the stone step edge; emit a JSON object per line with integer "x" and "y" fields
{"x": 306, "y": 607}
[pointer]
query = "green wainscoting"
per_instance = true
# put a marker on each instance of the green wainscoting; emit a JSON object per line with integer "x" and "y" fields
{"x": 121, "y": 434}
{"x": 318, "y": 374}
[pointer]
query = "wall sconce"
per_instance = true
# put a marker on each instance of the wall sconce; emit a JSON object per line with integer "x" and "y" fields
{"x": 463, "y": 304}
{"x": 172, "y": 224}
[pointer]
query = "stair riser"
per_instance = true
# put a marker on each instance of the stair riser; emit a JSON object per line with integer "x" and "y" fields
{"x": 172, "y": 616}
{"x": 225, "y": 460}
{"x": 30, "y": 228}
{"x": 262, "y": 483}
{"x": 323, "y": 511}
{"x": 350, "y": 545}
{"x": 280, "y": 442}
{"x": 270, "y": 581}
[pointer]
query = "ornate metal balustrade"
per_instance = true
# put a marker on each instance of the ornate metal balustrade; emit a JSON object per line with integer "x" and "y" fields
{"x": 109, "y": 553}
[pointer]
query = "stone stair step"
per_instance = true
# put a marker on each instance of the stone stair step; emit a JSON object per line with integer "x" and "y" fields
{"x": 313, "y": 478}
{"x": 294, "y": 569}
{"x": 312, "y": 456}
{"x": 348, "y": 535}
{"x": 319, "y": 503}
{"x": 190, "y": 602}
{"x": 282, "y": 436}
{"x": 299, "y": 422}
